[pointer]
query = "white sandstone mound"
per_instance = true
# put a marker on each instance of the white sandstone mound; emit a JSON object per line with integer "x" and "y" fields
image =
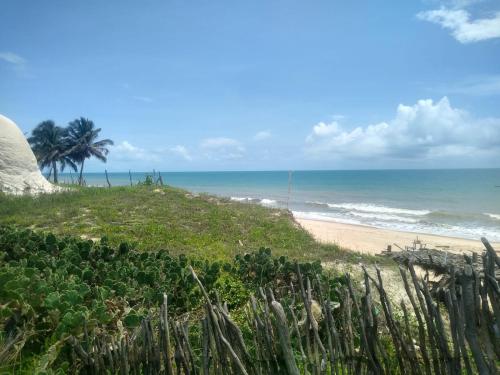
{"x": 19, "y": 172}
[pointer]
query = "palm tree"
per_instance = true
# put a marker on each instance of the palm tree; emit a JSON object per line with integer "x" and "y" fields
{"x": 50, "y": 146}
{"x": 82, "y": 136}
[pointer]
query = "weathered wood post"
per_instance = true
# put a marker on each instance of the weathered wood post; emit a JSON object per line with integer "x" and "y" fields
{"x": 284, "y": 337}
{"x": 107, "y": 178}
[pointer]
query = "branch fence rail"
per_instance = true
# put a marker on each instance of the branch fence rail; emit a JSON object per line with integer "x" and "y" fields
{"x": 301, "y": 331}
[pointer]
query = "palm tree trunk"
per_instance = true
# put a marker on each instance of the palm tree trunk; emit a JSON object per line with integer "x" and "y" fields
{"x": 80, "y": 181}
{"x": 54, "y": 167}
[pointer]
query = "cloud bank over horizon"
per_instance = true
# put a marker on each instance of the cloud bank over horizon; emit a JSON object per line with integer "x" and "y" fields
{"x": 425, "y": 130}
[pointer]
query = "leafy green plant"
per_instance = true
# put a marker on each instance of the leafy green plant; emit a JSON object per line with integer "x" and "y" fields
{"x": 148, "y": 181}
{"x": 232, "y": 290}
{"x": 52, "y": 286}
{"x": 261, "y": 268}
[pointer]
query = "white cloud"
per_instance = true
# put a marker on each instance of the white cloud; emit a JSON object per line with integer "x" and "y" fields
{"x": 322, "y": 129}
{"x": 220, "y": 148}
{"x": 182, "y": 152}
{"x": 461, "y": 26}
{"x": 125, "y": 151}
{"x": 262, "y": 135}
{"x": 425, "y": 130}
{"x": 12, "y": 58}
{"x": 126, "y": 146}
{"x": 145, "y": 99}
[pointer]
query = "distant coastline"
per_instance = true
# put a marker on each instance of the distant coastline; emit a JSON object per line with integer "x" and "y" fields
{"x": 460, "y": 203}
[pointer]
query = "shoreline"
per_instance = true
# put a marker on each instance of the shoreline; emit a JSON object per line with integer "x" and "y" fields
{"x": 372, "y": 240}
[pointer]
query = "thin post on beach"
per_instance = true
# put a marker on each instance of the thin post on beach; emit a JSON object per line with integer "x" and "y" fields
{"x": 289, "y": 188}
{"x": 130, "y": 177}
{"x": 107, "y": 178}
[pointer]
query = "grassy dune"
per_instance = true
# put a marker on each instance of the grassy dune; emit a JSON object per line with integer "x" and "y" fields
{"x": 167, "y": 218}
{"x": 50, "y": 284}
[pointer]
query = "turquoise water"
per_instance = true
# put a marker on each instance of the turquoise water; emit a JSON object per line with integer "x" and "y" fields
{"x": 461, "y": 203}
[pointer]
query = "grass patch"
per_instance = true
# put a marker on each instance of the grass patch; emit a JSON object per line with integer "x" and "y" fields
{"x": 169, "y": 218}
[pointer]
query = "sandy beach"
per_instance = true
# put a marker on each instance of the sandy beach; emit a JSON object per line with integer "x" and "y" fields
{"x": 370, "y": 240}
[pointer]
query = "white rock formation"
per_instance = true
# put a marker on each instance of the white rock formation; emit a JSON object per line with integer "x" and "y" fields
{"x": 19, "y": 172}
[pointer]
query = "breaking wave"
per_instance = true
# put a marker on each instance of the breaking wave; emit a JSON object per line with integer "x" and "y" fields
{"x": 263, "y": 201}
{"x": 454, "y": 224}
{"x": 493, "y": 216}
{"x": 364, "y": 207}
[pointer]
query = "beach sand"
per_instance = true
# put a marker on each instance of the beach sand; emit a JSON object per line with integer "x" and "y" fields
{"x": 370, "y": 240}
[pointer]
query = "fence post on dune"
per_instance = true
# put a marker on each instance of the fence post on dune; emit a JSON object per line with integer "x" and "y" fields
{"x": 165, "y": 336}
{"x": 491, "y": 293}
{"x": 360, "y": 340}
{"x": 289, "y": 188}
{"x": 284, "y": 337}
{"x": 130, "y": 177}
{"x": 107, "y": 178}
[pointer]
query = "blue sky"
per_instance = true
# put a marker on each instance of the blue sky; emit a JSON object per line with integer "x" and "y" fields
{"x": 259, "y": 85}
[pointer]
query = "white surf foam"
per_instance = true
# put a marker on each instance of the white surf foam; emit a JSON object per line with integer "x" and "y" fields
{"x": 320, "y": 216}
{"x": 473, "y": 233}
{"x": 264, "y": 201}
{"x": 366, "y": 207}
{"x": 268, "y": 202}
{"x": 493, "y": 216}
{"x": 241, "y": 199}
{"x": 384, "y": 217}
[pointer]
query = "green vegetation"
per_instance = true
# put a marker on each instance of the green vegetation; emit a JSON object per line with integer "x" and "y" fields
{"x": 50, "y": 286}
{"x": 69, "y": 305}
{"x": 83, "y": 272}
{"x": 70, "y": 146}
{"x": 167, "y": 218}
{"x": 82, "y": 136}
{"x": 50, "y": 146}
{"x": 113, "y": 252}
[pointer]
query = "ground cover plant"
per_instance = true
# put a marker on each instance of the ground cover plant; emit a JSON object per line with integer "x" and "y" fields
{"x": 86, "y": 270}
{"x": 105, "y": 256}
{"x": 72, "y": 305}
{"x": 167, "y": 218}
{"x": 50, "y": 285}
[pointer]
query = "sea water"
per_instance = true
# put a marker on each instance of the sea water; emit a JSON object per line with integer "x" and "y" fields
{"x": 460, "y": 202}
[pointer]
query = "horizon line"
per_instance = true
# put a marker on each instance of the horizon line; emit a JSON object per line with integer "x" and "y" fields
{"x": 294, "y": 170}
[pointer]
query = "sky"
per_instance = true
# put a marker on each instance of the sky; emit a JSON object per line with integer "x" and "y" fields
{"x": 261, "y": 85}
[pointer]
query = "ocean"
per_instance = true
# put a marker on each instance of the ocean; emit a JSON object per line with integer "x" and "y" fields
{"x": 461, "y": 203}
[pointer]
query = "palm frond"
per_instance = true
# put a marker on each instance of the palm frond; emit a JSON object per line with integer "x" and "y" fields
{"x": 99, "y": 154}
{"x": 104, "y": 142}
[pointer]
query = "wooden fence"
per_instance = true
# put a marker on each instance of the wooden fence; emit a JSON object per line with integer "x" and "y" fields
{"x": 304, "y": 332}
